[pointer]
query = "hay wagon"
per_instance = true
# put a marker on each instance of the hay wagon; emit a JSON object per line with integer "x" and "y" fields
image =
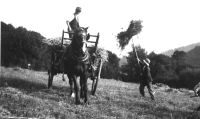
{"x": 57, "y": 53}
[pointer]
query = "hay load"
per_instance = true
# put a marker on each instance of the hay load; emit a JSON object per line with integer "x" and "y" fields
{"x": 102, "y": 54}
{"x": 124, "y": 37}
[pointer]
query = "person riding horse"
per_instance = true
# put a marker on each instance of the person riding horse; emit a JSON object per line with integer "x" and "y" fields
{"x": 74, "y": 25}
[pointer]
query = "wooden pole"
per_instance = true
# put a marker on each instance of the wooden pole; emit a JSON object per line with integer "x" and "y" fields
{"x": 136, "y": 53}
{"x": 100, "y": 67}
{"x": 97, "y": 41}
{"x": 62, "y": 38}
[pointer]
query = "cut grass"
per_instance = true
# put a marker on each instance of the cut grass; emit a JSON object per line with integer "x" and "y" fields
{"x": 24, "y": 93}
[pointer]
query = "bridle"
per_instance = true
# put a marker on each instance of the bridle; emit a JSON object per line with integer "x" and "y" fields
{"x": 85, "y": 55}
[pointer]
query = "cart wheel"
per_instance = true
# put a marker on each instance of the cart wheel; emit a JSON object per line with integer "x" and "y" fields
{"x": 94, "y": 85}
{"x": 96, "y": 79}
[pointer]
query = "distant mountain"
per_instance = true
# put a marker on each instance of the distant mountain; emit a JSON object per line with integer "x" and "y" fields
{"x": 193, "y": 57}
{"x": 184, "y": 48}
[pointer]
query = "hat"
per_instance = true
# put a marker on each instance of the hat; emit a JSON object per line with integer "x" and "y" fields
{"x": 78, "y": 10}
{"x": 147, "y": 61}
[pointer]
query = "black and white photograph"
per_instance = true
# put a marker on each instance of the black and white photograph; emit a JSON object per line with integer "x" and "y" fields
{"x": 99, "y": 59}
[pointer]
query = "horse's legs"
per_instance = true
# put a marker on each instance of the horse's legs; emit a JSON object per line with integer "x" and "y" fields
{"x": 50, "y": 80}
{"x": 85, "y": 87}
{"x": 77, "y": 90}
{"x": 93, "y": 78}
{"x": 63, "y": 72}
{"x": 94, "y": 85}
{"x": 71, "y": 83}
{"x": 94, "y": 82}
{"x": 82, "y": 87}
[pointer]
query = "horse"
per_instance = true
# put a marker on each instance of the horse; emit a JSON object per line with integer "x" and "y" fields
{"x": 76, "y": 63}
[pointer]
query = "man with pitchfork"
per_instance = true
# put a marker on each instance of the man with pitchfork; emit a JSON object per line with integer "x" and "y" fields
{"x": 145, "y": 76}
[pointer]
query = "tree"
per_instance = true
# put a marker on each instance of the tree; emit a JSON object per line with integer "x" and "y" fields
{"x": 20, "y": 46}
{"x": 179, "y": 60}
{"x": 7, "y": 36}
{"x": 110, "y": 68}
{"x": 162, "y": 68}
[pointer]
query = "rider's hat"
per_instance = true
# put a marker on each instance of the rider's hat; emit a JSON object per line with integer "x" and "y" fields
{"x": 78, "y": 10}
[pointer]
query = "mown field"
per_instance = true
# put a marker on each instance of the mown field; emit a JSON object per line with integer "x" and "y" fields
{"x": 24, "y": 93}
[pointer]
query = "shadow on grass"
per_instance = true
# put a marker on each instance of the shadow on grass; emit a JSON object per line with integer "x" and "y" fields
{"x": 37, "y": 89}
{"x": 21, "y": 84}
{"x": 29, "y": 86}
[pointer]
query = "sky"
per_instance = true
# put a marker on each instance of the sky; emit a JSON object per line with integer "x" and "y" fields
{"x": 167, "y": 24}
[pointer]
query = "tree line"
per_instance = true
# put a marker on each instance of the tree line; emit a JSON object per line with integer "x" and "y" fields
{"x": 20, "y": 47}
{"x": 173, "y": 71}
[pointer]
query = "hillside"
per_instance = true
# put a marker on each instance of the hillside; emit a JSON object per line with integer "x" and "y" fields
{"x": 193, "y": 57}
{"x": 184, "y": 48}
{"x": 25, "y": 95}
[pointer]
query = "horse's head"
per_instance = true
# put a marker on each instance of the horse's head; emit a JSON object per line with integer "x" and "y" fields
{"x": 79, "y": 41}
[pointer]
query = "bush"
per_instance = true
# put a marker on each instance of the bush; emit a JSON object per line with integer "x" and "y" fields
{"x": 188, "y": 78}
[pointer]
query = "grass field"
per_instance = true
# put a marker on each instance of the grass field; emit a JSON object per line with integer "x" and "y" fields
{"x": 24, "y": 93}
